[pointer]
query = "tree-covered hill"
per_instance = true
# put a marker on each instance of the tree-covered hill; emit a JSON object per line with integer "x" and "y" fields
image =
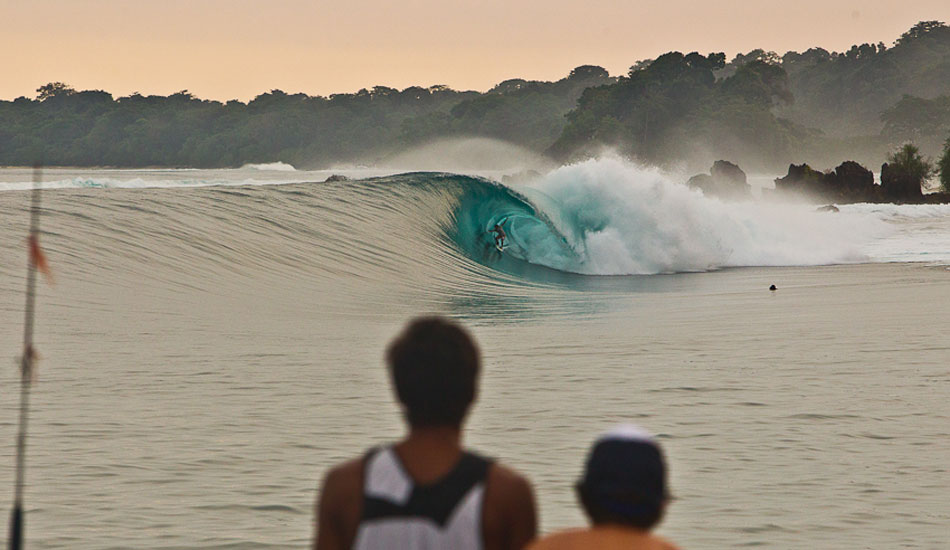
{"x": 760, "y": 109}
{"x": 674, "y": 108}
{"x": 62, "y": 126}
{"x": 844, "y": 94}
{"x": 823, "y": 106}
{"x": 65, "y": 127}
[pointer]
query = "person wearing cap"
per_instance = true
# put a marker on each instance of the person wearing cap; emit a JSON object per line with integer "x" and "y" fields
{"x": 624, "y": 494}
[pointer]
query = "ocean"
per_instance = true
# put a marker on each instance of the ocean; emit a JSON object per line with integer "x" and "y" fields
{"x": 213, "y": 342}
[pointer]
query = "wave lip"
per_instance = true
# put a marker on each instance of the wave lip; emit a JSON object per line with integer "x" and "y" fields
{"x": 609, "y": 217}
{"x": 270, "y": 166}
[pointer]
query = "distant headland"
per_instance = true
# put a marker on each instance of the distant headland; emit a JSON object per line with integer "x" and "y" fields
{"x": 901, "y": 182}
{"x": 762, "y": 110}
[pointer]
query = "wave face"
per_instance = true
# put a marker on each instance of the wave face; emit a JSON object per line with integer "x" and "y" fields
{"x": 601, "y": 217}
{"x": 607, "y": 217}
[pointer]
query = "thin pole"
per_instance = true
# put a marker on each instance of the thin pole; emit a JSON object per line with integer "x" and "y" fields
{"x": 26, "y": 368}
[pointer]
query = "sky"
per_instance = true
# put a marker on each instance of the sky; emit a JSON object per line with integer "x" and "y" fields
{"x": 237, "y": 49}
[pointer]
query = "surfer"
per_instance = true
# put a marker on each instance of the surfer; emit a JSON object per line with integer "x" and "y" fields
{"x": 500, "y": 234}
{"x": 427, "y": 491}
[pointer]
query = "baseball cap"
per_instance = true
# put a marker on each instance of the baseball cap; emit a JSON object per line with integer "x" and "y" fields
{"x": 625, "y": 474}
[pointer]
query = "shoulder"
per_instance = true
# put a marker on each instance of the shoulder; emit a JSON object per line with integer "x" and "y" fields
{"x": 664, "y": 544}
{"x": 504, "y": 481}
{"x": 602, "y": 539}
{"x": 508, "y": 511}
{"x": 340, "y": 500}
{"x": 563, "y": 540}
{"x": 344, "y": 479}
{"x": 339, "y": 506}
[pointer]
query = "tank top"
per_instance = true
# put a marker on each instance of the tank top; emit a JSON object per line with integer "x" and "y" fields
{"x": 400, "y": 515}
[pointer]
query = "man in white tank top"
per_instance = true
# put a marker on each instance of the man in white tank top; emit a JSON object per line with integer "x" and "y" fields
{"x": 427, "y": 492}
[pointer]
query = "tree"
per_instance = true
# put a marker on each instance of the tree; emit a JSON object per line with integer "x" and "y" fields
{"x": 908, "y": 161}
{"x": 943, "y": 166}
{"x": 913, "y": 118}
{"x": 588, "y": 72}
{"x": 905, "y": 172}
{"x": 639, "y": 66}
{"x": 759, "y": 54}
{"x": 54, "y": 89}
{"x": 919, "y": 30}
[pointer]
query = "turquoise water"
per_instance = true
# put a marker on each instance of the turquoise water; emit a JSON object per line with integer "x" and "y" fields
{"x": 214, "y": 341}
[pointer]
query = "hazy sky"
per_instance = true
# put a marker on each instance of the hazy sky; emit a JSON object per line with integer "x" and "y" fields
{"x": 226, "y": 49}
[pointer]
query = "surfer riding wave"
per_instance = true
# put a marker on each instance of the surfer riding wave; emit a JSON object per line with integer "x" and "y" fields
{"x": 500, "y": 235}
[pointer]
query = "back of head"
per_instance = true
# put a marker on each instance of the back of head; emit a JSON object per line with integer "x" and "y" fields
{"x": 434, "y": 365}
{"x": 625, "y": 479}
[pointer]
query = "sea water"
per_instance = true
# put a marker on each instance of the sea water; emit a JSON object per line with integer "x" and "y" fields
{"x": 213, "y": 343}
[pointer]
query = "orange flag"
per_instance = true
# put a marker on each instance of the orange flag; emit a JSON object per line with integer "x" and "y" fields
{"x": 38, "y": 259}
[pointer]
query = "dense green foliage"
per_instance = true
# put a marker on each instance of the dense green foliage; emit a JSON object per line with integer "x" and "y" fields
{"x": 65, "y": 127}
{"x": 907, "y": 163}
{"x": 844, "y": 94}
{"x": 943, "y": 167}
{"x": 923, "y": 121}
{"x": 760, "y": 109}
{"x": 527, "y": 113}
{"x": 675, "y": 107}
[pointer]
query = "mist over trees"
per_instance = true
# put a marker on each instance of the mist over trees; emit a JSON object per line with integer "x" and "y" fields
{"x": 943, "y": 167}
{"x": 66, "y": 127}
{"x": 675, "y": 107}
{"x": 761, "y": 109}
{"x": 844, "y": 94}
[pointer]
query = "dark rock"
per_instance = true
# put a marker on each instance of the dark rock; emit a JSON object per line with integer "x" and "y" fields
{"x": 727, "y": 172}
{"x": 702, "y": 182}
{"x": 936, "y": 198}
{"x": 828, "y": 208}
{"x": 801, "y": 179}
{"x": 849, "y": 182}
{"x": 850, "y": 179}
{"x": 337, "y": 177}
{"x": 725, "y": 180}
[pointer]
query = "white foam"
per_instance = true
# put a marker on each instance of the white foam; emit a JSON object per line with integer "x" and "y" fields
{"x": 18, "y": 179}
{"x": 99, "y": 182}
{"x": 624, "y": 219}
{"x": 899, "y": 211}
{"x": 272, "y": 166}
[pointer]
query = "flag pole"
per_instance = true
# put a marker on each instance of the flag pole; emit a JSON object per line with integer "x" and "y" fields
{"x": 26, "y": 365}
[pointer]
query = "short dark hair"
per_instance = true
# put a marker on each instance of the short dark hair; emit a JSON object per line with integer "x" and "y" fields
{"x": 434, "y": 364}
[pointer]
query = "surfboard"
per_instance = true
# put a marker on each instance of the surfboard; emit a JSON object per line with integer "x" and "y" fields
{"x": 500, "y": 248}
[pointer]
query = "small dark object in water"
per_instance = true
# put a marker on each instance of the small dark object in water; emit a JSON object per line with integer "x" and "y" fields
{"x": 773, "y": 287}
{"x": 828, "y": 208}
{"x": 336, "y": 177}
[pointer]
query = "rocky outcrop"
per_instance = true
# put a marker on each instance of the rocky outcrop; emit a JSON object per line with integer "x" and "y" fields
{"x": 849, "y": 182}
{"x": 703, "y": 182}
{"x": 725, "y": 180}
{"x": 803, "y": 180}
{"x": 336, "y": 177}
{"x": 850, "y": 179}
